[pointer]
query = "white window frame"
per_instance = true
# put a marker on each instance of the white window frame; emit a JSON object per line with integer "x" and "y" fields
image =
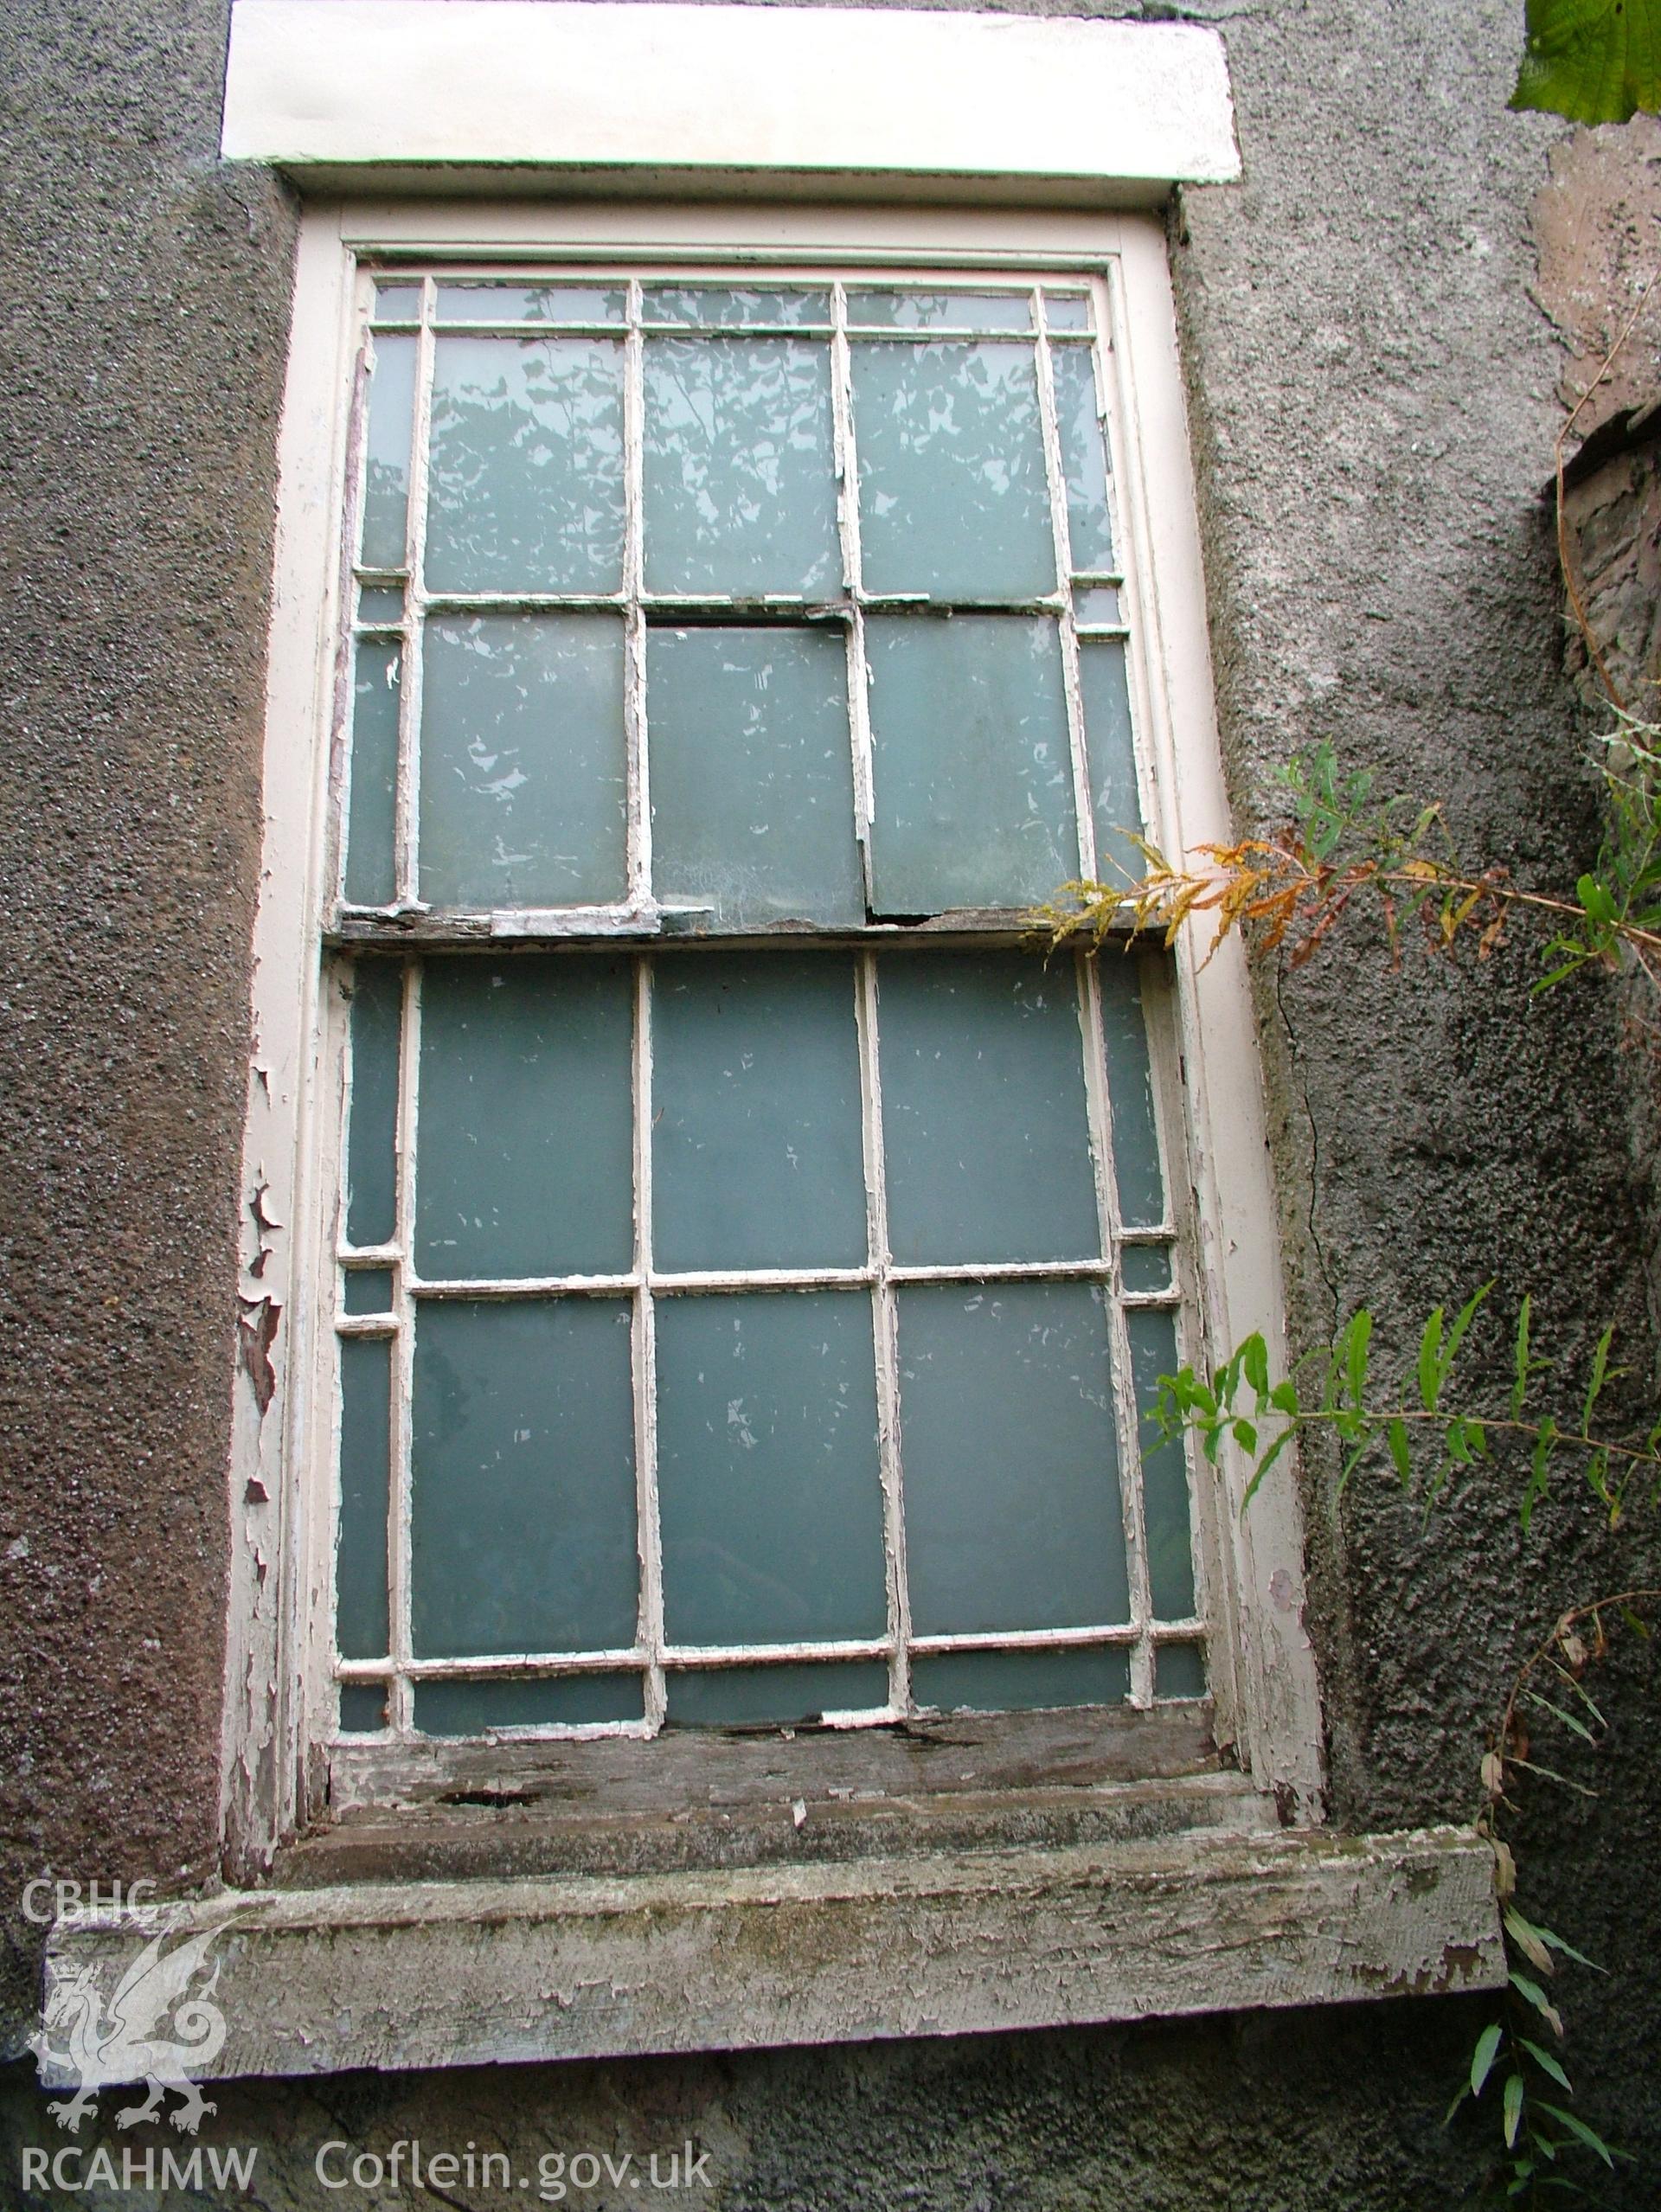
{"x": 1262, "y": 1669}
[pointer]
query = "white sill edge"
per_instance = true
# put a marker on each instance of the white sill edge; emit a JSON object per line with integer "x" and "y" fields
{"x": 404, "y": 1975}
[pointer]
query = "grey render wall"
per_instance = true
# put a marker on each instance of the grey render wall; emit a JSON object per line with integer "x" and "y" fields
{"x": 1374, "y": 404}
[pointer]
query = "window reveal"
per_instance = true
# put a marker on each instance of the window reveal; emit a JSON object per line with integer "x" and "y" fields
{"x": 757, "y": 1329}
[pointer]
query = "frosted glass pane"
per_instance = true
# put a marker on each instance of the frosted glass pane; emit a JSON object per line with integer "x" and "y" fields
{"x": 752, "y": 774}
{"x": 1010, "y": 1458}
{"x": 362, "y": 1707}
{"x": 1117, "y": 804}
{"x": 731, "y": 310}
{"x": 369, "y": 1289}
{"x": 756, "y": 1139}
{"x": 523, "y": 760}
{"x": 494, "y": 302}
{"x": 1084, "y": 459}
{"x": 1179, "y": 1671}
{"x": 523, "y": 1507}
{"x": 1146, "y": 1266}
{"x": 398, "y": 303}
{"x": 1067, "y": 310}
{"x": 386, "y": 458}
{"x": 984, "y": 1111}
{"x": 740, "y": 467}
{"x": 526, "y": 490}
{"x": 1097, "y": 606}
{"x": 941, "y": 310}
{"x": 365, "y": 1458}
{"x": 1165, "y": 1471}
{"x": 973, "y": 775}
{"x": 372, "y": 1131}
{"x": 526, "y": 1165}
{"x": 784, "y": 1695}
{"x": 1015, "y": 1682}
{"x": 1130, "y": 1092}
{"x": 771, "y": 1499}
{"x": 371, "y": 816}
{"x": 470, "y": 1709}
{"x": 952, "y": 494}
{"x": 381, "y": 604}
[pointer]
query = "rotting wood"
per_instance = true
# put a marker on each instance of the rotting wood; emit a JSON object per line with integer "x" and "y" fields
{"x": 424, "y": 1974}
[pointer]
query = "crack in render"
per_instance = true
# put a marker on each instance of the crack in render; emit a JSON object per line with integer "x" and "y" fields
{"x": 1296, "y": 1049}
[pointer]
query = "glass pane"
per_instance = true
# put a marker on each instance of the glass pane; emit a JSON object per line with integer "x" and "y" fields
{"x": 732, "y": 310}
{"x": 1084, "y": 460}
{"x": 469, "y": 1709}
{"x": 1067, "y": 310}
{"x": 494, "y": 302}
{"x": 973, "y": 773}
{"x": 371, "y": 879}
{"x": 362, "y": 1707}
{"x": 1179, "y": 1671}
{"x": 381, "y": 604}
{"x": 941, "y": 310}
{"x": 1146, "y": 1267}
{"x": 757, "y": 1145}
{"x": 1016, "y": 1681}
{"x": 786, "y": 1696}
{"x": 984, "y": 1113}
{"x": 1012, "y": 1461}
{"x": 386, "y": 456}
{"x": 740, "y": 468}
{"x": 1164, "y": 1470}
{"x": 524, "y": 767}
{"x": 523, "y": 1510}
{"x": 1117, "y": 804}
{"x": 526, "y": 490}
{"x": 1130, "y": 1095}
{"x": 372, "y": 1134}
{"x": 752, "y": 774}
{"x": 365, "y": 1459}
{"x": 767, "y": 1475}
{"x": 952, "y": 494}
{"x": 398, "y": 303}
{"x": 369, "y": 1289}
{"x": 1097, "y": 606}
{"x": 526, "y": 1160}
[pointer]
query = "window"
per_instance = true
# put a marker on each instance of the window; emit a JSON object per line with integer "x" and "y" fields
{"x": 724, "y": 1264}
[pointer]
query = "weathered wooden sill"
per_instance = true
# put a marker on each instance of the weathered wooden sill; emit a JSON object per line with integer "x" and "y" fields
{"x": 405, "y": 1974}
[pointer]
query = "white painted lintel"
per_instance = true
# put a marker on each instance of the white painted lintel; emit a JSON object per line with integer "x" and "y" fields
{"x": 421, "y": 1974}
{"x": 636, "y": 94}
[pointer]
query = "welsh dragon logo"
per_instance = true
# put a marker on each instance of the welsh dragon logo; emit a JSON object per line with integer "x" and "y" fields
{"x": 95, "y": 2046}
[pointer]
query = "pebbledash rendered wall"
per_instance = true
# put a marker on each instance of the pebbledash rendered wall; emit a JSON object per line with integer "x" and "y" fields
{"x": 1374, "y": 395}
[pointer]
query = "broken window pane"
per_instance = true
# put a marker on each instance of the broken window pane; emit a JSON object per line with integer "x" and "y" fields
{"x": 469, "y": 1709}
{"x": 953, "y": 499}
{"x": 525, "y": 772}
{"x": 361, "y": 1617}
{"x": 1130, "y": 1093}
{"x": 526, "y": 490}
{"x": 781, "y": 1697}
{"x": 983, "y": 1109}
{"x": 770, "y": 1497}
{"x": 1116, "y": 801}
{"x": 752, "y": 774}
{"x": 523, "y": 1529}
{"x": 756, "y": 1138}
{"x": 973, "y": 768}
{"x": 1019, "y": 1682}
{"x": 371, "y": 864}
{"x": 372, "y": 1131}
{"x": 1011, "y": 1457}
{"x": 526, "y": 1154}
{"x": 1164, "y": 1467}
{"x": 1084, "y": 458}
{"x": 740, "y": 471}
{"x": 386, "y": 459}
